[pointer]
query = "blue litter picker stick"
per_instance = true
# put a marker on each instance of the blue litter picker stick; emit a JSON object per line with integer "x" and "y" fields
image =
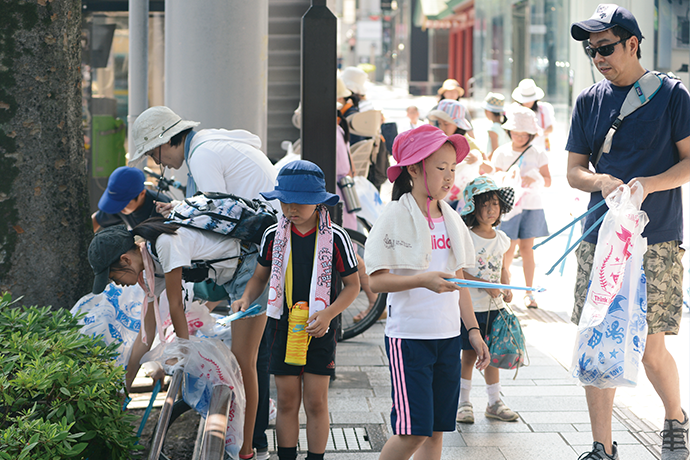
{"x": 576, "y": 220}
{"x": 254, "y": 309}
{"x": 484, "y": 284}
{"x": 156, "y": 389}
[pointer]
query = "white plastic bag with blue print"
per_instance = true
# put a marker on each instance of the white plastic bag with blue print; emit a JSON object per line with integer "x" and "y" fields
{"x": 609, "y": 354}
{"x": 369, "y": 198}
{"x": 206, "y": 362}
{"x": 114, "y": 315}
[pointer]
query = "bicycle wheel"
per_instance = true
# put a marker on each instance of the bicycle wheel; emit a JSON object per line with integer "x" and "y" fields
{"x": 361, "y": 303}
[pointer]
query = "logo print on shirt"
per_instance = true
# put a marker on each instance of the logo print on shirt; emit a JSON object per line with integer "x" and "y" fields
{"x": 440, "y": 242}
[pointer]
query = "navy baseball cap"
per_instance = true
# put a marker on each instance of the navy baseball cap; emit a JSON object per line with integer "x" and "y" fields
{"x": 605, "y": 17}
{"x": 105, "y": 249}
{"x": 301, "y": 182}
{"x": 124, "y": 185}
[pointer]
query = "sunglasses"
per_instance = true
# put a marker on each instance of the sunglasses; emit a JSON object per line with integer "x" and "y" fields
{"x": 605, "y": 50}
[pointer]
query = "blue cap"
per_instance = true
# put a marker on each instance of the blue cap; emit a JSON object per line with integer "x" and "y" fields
{"x": 301, "y": 182}
{"x": 605, "y": 17}
{"x": 124, "y": 185}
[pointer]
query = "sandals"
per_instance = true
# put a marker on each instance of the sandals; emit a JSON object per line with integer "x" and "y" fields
{"x": 530, "y": 301}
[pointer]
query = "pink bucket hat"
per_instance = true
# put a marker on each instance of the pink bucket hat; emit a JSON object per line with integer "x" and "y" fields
{"x": 411, "y": 147}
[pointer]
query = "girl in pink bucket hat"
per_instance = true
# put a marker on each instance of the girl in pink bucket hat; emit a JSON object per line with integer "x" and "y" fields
{"x": 416, "y": 245}
{"x": 528, "y": 166}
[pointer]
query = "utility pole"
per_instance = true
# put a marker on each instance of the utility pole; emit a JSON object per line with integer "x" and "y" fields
{"x": 138, "y": 82}
{"x": 318, "y": 90}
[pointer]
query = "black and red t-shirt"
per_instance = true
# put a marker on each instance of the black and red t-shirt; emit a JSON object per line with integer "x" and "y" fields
{"x": 302, "y": 252}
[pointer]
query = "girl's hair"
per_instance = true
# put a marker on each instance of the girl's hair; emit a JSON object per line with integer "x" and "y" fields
{"x": 460, "y": 131}
{"x": 471, "y": 220}
{"x": 531, "y": 137}
{"x": 354, "y": 98}
{"x": 535, "y": 107}
{"x": 343, "y": 124}
{"x": 153, "y": 227}
{"x": 403, "y": 184}
{"x": 150, "y": 230}
{"x": 498, "y": 117}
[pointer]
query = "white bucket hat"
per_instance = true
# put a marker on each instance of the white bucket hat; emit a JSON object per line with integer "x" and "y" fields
{"x": 523, "y": 120}
{"x": 527, "y": 91}
{"x": 341, "y": 89}
{"x": 452, "y": 112}
{"x": 155, "y": 127}
{"x": 493, "y": 102}
{"x": 354, "y": 79}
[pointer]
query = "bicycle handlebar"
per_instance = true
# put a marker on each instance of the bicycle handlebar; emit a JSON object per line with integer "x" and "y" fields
{"x": 165, "y": 183}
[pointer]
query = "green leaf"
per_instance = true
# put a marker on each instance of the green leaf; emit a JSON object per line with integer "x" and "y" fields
{"x": 65, "y": 391}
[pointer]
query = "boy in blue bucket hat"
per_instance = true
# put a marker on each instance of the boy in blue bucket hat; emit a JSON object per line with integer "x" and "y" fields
{"x": 297, "y": 259}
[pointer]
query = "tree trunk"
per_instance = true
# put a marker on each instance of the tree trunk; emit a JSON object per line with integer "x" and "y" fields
{"x": 44, "y": 214}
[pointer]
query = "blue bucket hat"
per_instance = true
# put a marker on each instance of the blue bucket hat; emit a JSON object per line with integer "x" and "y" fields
{"x": 483, "y": 184}
{"x": 124, "y": 185}
{"x": 301, "y": 182}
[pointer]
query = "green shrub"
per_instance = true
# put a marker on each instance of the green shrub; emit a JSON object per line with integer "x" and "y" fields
{"x": 60, "y": 393}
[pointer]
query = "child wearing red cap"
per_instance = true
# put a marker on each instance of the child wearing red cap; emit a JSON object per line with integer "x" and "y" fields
{"x": 417, "y": 244}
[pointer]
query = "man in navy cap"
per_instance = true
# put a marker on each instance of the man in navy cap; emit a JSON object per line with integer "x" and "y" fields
{"x": 650, "y": 148}
{"x": 126, "y": 200}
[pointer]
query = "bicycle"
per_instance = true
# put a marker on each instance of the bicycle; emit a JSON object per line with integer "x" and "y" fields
{"x": 350, "y": 327}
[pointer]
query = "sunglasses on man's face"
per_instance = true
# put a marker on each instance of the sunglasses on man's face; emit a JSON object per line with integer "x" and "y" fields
{"x": 605, "y": 50}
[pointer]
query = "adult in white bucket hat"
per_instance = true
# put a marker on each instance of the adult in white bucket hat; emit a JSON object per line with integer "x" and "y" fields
{"x": 219, "y": 160}
{"x": 529, "y": 95}
{"x": 526, "y": 169}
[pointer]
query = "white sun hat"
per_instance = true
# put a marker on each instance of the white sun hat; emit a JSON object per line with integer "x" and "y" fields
{"x": 354, "y": 79}
{"x": 523, "y": 120}
{"x": 341, "y": 89}
{"x": 155, "y": 127}
{"x": 527, "y": 91}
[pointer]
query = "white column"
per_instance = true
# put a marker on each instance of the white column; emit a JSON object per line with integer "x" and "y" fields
{"x": 216, "y": 63}
{"x": 137, "y": 98}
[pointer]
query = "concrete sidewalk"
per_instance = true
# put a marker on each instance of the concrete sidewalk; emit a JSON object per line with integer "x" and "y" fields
{"x": 553, "y": 421}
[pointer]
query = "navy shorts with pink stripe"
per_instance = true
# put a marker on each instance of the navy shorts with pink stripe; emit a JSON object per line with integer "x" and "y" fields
{"x": 425, "y": 380}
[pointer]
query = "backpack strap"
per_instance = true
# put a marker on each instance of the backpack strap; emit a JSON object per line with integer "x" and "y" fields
{"x": 642, "y": 91}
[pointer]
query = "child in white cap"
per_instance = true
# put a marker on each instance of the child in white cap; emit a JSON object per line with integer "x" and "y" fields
{"x": 530, "y": 165}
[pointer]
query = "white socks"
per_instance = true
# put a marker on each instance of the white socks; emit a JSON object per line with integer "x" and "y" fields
{"x": 494, "y": 393}
{"x": 465, "y": 388}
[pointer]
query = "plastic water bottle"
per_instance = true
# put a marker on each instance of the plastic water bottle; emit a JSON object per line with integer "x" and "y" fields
{"x": 297, "y": 339}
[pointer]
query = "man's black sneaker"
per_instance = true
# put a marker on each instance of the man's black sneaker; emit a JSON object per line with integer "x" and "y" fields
{"x": 675, "y": 440}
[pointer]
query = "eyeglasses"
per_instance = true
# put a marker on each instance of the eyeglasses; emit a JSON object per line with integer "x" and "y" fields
{"x": 605, "y": 50}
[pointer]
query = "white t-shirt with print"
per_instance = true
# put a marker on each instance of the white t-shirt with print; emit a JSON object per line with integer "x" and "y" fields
{"x": 420, "y": 313}
{"x": 533, "y": 159}
{"x": 487, "y": 266}
{"x": 187, "y": 244}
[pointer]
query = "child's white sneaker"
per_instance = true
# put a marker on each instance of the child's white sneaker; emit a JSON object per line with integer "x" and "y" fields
{"x": 500, "y": 411}
{"x": 465, "y": 413}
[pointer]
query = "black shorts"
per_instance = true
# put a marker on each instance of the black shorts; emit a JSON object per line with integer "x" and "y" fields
{"x": 320, "y": 354}
{"x": 481, "y": 319}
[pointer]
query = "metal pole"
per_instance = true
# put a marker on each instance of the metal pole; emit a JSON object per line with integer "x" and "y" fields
{"x": 138, "y": 96}
{"x": 164, "y": 417}
{"x": 213, "y": 444}
{"x": 318, "y": 89}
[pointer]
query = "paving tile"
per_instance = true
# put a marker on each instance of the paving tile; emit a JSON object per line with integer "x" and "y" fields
{"x": 550, "y": 451}
{"x": 350, "y": 392}
{"x": 474, "y": 453}
{"x": 366, "y": 360}
{"x": 587, "y": 428}
{"x": 518, "y": 440}
{"x": 556, "y": 390}
{"x": 552, "y": 427}
{"x": 340, "y": 404}
{"x": 484, "y": 425}
{"x": 554, "y": 417}
{"x": 537, "y": 402}
{"x": 543, "y": 373}
{"x": 382, "y": 405}
{"x": 453, "y": 439}
{"x": 578, "y": 438}
{"x": 343, "y": 418}
{"x": 632, "y": 452}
